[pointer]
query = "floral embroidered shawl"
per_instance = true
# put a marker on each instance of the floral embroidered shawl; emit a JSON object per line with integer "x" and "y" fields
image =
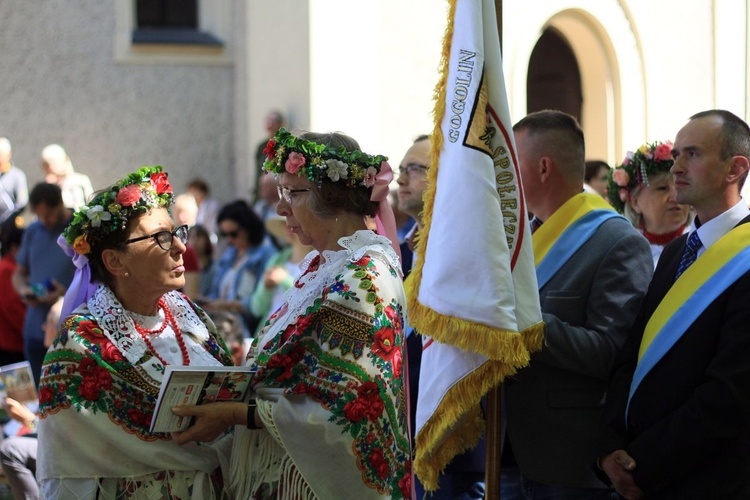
{"x": 97, "y": 392}
{"x": 330, "y": 383}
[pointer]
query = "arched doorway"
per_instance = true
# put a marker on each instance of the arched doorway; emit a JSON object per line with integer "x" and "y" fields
{"x": 554, "y": 78}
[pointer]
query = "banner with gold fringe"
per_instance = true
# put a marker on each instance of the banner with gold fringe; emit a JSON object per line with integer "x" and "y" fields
{"x": 473, "y": 292}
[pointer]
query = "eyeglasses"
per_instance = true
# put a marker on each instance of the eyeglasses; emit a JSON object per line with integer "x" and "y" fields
{"x": 230, "y": 234}
{"x": 412, "y": 168}
{"x": 288, "y": 194}
{"x": 165, "y": 239}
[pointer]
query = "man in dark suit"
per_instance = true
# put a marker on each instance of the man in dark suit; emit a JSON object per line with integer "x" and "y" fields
{"x": 464, "y": 476}
{"x": 593, "y": 268}
{"x": 677, "y": 418}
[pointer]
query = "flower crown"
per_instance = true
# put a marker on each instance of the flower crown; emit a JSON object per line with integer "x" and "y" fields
{"x": 317, "y": 162}
{"x": 650, "y": 159}
{"x": 110, "y": 210}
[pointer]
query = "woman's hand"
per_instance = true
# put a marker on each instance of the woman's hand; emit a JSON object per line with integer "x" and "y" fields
{"x": 211, "y": 420}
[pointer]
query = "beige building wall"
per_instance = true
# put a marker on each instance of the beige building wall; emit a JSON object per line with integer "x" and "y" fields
{"x": 68, "y": 79}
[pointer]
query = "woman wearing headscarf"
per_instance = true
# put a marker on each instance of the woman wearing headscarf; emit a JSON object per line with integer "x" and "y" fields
{"x": 329, "y": 418}
{"x": 642, "y": 189}
{"x": 124, "y": 322}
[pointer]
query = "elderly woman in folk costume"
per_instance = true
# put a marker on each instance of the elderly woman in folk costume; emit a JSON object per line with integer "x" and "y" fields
{"x": 124, "y": 322}
{"x": 642, "y": 189}
{"x": 329, "y": 418}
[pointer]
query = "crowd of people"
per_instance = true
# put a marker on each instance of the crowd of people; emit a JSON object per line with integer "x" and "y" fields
{"x": 641, "y": 389}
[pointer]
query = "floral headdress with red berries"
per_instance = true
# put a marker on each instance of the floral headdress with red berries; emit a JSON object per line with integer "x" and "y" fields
{"x": 318, "y": 162}
{"x": 648, "y": 160}
{"x": 110, "y": 210}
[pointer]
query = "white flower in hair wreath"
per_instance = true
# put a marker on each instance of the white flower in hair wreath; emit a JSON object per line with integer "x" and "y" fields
{"x": 97, "y": 214}
{"x": 336, "y": 169}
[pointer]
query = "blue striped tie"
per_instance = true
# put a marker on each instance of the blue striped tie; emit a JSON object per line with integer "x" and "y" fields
{"x": 690, "y": 254}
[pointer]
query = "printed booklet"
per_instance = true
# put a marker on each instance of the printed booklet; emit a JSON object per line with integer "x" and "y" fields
{"x": 191, "y": 385}
{"x": 16, "y": 382}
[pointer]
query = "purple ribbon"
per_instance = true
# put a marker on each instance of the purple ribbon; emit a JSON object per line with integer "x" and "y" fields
{"x": 81, "y": 288}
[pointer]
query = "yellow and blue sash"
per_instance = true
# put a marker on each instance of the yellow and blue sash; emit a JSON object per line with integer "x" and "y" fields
{"x": 566, "y": 231}
{"x": 710, "y": 275}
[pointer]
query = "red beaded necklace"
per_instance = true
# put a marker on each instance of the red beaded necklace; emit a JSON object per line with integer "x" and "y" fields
{"x": 662, "y": 239}
{"x": 168, "y": 319}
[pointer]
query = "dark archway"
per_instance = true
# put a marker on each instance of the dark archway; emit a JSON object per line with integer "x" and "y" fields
{"x": 554, "y": 80}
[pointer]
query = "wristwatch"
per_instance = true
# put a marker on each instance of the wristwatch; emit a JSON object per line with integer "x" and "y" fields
{"x": 252, "y": 405}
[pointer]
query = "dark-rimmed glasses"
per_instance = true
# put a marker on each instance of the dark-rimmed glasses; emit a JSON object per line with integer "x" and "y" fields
{"x": 287, "y": 193}
{"x": 164, "y": 239}
{"x": 412, "y": 168}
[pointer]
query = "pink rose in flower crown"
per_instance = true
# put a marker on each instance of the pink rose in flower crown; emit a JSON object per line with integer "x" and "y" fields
{"x": 663, "y": 152}
{"x": 129, "y": 195}
{"x": 370, "y": 177}
{"x": 621, "y": 177}
{"x": 161, "y": 183}
{"x": 295, "y": 162}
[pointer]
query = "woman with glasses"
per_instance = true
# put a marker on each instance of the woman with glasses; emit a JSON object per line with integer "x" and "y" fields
{"x": 241, "y": 266}
{"x": 124, "y": 322}
{"x": 329, "y": 418}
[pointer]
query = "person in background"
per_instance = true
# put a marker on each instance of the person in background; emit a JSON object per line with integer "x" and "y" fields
{"x": 677, "y": 416}
{"x": 464, "y": 476}
{"x": 329, "y": 419}
{"x": 239, "y": 270}
{"x": 76, "y": 187}
{"x": 268, "y": 197}
{"x": 595, "y": 177}
{"x": 12, "y": 307}
{"x": 18, "y": 453}
{"x": 593, "y": 268}
{"x": 14, "y": 193}
{"x": 124, "y": 322}
{"x": 44, "y": 272}
{"x": 208, "y": 207}
{"x": 200, "y": 239}
{"x": 280, "y": 272}
{"x": 272, "y": 122}
{"x": 642, "y": 189}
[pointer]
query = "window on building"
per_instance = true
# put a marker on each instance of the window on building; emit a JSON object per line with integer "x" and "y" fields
{"x": 170, "y": 22}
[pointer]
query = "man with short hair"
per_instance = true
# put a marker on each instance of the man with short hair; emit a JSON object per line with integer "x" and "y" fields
{"x": 593, "y": 268}
{"x": 14, "y": 193}
{"x": 44, "y": 272}
{"x": 677, "y": 419}
{"x": 464, "y": 475}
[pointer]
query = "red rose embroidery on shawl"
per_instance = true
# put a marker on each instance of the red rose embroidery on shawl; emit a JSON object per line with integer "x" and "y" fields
{"x": 110, "y": 353}
{"x": 89, "y": 331}
{"x": 286, "y": 362}
{"x": 161, "y": 183}
{"x": 298, "y": 327}
{"x": 139, "y": 418}
{"x": 95, "y": 378}
{"x": 355, "y": 410}
{"x": 404, "y": 484}
{"x": 45, "y": 394}
{"x": 385, "y": 343}
{"x": 368, "y": 404}
{"x": 129, "y": 195}
{"x": 377, "y": 460}
{"x": 363, "y": 261}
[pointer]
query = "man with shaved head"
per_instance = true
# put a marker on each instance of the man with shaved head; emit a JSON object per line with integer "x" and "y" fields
{"x": 593, "y": 268}
{"x": 14, "y": 193}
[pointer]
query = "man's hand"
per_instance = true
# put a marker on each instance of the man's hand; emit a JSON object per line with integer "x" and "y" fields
{"x": 618, "y": 466}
